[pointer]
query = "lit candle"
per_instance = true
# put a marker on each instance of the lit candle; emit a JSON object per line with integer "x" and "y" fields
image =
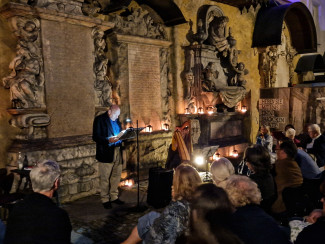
{"x": 235, "y": 153}
{"x": 148, "y": 128}
{"x": 243, "y": 109}
{"x": 166, "y": 126}
{"x": 210, "y": 110}
{"x": 216, "y": 156}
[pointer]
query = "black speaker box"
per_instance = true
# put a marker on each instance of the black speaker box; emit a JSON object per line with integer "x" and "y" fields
{"x": 160, "y": 187}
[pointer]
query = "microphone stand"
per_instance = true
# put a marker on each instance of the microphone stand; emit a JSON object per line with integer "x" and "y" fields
{"x": 138, "y": 207}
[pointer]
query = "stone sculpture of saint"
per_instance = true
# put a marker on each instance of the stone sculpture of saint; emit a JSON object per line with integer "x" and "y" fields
{"x": 22, "y": 80}
{"x": 216, "y": 34}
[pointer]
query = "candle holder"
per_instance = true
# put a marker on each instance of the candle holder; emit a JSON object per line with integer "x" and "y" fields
{"x": 235, "y": 153}
{"x": 216, "y": 156}
{"x": 243, "y": 109}
{"x": 210, "y": 110}
{"x": 149, "y": 128}
{"x": 165, "y": 127}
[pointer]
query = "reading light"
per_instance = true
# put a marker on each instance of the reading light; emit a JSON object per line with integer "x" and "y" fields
{"x": 199, "y": 160}
{"x": 200, "y": 110}
{"x": 187, "y": 111}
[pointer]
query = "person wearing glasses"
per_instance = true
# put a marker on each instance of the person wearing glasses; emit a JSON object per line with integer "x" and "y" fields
{"x": 37, "y": 219}
{"x": 317, "y": 146}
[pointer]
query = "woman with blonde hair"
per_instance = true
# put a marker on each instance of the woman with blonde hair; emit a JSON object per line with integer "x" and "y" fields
{"x": 221, "y": 169}
{"x": 264, "y": 138}
{"x": 173, "y": 221}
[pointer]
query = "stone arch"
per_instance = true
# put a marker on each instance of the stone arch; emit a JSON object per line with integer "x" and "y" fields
{"x": 269, "y": 22}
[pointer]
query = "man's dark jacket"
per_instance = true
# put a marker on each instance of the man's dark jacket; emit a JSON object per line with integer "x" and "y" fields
{"x": 37, "y": 220}
{"x": 319, "y": 150}
{"x": 102, "y": 130}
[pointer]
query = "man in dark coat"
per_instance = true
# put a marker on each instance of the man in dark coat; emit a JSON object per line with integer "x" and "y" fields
{"x": 317, "y": 146}
{"x": 106, "y": 127}
{"x": 36, "y": 219}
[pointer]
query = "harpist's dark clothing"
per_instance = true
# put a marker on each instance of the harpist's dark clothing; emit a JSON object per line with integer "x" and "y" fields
{"x": 37, "y": 220}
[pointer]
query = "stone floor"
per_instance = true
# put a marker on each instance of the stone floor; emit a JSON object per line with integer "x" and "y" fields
{"x": 94, "y": 224}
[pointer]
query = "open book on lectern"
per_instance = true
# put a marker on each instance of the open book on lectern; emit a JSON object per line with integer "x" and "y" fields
{"x": 129, "y": 133}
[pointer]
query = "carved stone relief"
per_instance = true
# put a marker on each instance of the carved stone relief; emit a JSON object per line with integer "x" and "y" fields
{"x": 26, "y": 80}
{"x": 138, "y": 23}
{"x": 103, "y": 87}
{"x": 213, "y": 74}
{"x": 268, "y": 61}
{"x": 32, "y": 125}
{"x": 64, "y": 6}
{"x": 165, "y": 93}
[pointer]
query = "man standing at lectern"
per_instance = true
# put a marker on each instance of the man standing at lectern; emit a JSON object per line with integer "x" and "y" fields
{"x": 108, "y": 153}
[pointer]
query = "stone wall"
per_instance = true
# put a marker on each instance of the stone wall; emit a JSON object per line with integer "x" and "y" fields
{"x": 242, "y": 26}
{"x": 7, "y": 53}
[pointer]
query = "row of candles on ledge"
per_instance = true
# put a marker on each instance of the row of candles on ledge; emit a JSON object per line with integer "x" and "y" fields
{"x": 199, "y": 160}
{"x": 163, "y": 127}
{"x": 210, "y": 110}
{"x": 149, "y": 128}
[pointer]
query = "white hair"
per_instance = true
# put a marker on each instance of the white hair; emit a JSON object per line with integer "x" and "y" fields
{"x": 221, "y": 169}
{"x": 315, "y": 128}
{"x": 290, "y": 133}
{"x": 44, "y": 175}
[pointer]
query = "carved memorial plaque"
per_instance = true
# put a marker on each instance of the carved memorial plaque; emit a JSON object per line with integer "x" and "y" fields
{"x": 69, "y": 79}
{"x": 144, "y": 85}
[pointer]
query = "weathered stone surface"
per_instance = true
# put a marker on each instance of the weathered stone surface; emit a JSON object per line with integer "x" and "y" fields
{"x": 68, "y": 58}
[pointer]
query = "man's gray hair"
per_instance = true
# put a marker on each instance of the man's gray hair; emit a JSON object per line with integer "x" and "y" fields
{"x": 315, "y": 128}
{"x": 44, "y": 175}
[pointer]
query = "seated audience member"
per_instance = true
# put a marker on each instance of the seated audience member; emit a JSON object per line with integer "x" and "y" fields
{"x": 308, "y": 166}
{"x": 315, "y": 232}
{"x": 258, "y": 161}
{"x": 304, "y": 137}
{"x": 250, "y": 222}
{"x": 288, "y": 173}
{"x": 264, "y": 138}
{"x": 317, "y": 146}
{"x": 221, "y": 169}
{"x": 210, "y": 218}
{"x": 166, "y": 227}
{"x": 36, "y": 219}
{"x": 291, "y": 134}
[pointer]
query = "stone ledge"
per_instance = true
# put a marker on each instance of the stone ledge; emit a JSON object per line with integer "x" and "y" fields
{"x": 50, "y": 144}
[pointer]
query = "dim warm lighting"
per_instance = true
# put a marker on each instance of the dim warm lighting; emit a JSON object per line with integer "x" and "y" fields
{"x": 128, "y": 123}
{"x": 187, "y": 111}
{"x": 127, "y": 183}
{"x": 235, "y": 153}
{"x": 216, "y": 156}
{"x": 165, "y": 127}
{"x": 210, "y": 110}
{"x": 243, "y": 109}
{"x": 148, "y": 128}
{"x": 199, "y": 160}
{"x": 201, "y": 111}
